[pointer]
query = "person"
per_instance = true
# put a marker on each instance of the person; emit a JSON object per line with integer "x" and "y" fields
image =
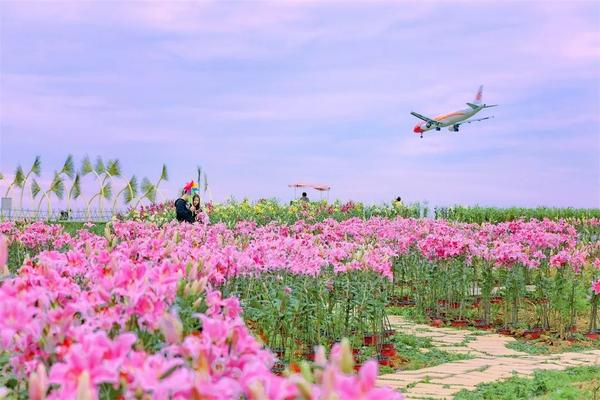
{"x": 195, "y": 208}
{"x": 304, "y": 197}
{"x": 182, "y": 209}
{"x": 398, "y": 202}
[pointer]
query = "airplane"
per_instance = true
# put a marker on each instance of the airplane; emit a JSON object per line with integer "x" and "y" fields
{"x": 454, "y": 119}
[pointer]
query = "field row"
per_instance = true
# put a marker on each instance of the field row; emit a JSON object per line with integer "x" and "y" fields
{"x": 197, "y": 303}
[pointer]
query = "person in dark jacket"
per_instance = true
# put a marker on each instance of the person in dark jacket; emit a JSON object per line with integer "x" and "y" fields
{"x": 182, "y": 208}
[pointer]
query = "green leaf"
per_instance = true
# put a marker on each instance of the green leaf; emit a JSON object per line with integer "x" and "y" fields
{"x": 36, "y": 168}
{"x": 169, "y": 372}
{"x": 57, "y": 186}
{"x": 149, "y": 190}
{"x": 107, "y": 191}
{"x": 69, "y": 167}
{"x": 100, "y": 167}
{"x": 76, "y": 188}
{"x": 19, "y": 177}
{"x": 114, "y": 168}
{"x": 86, "y": 166}
{"x": 164, "y": 175}
{"x": 35, "y": 189}
{"x": 131, "y": 191}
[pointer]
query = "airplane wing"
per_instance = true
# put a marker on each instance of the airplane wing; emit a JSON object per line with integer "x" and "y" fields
{"x": 474, "y": 120}
{"x": 424, "y": 118}
{"x": 476, "y": 106}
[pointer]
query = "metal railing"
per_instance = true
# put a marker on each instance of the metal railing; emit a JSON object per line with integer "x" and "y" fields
{"x": 94, "y": 215}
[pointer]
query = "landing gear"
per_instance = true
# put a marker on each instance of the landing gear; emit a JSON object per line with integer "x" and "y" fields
{"x": 437, "y": 128}
{"x": 421, "y": 136}
{"x": 455, "y": 128}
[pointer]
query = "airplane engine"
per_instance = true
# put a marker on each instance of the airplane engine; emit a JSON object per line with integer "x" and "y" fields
{"x": 453, "y": 128}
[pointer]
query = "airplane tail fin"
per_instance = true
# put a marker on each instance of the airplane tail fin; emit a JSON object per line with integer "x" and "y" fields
{"x": 476, "y": 104}
{"x": 478, "y": 96}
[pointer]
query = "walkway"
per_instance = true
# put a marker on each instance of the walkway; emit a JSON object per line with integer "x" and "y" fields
{"x": 492, "y": 362}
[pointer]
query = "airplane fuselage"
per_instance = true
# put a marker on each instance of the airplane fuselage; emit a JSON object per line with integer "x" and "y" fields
{"x": 447, "y": 119}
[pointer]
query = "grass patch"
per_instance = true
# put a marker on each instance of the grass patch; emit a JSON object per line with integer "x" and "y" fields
{"x": 571, "y": 384}
{"x": 409, "y": 313}
{"x": 71, "y": 227}
{"x": 551, "y": 346}
{"x": 423, "y": 330}
{"x": 409, "y": 348}
{"x": 468, "y": 339}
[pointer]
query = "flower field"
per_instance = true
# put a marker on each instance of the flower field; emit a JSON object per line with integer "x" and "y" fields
{"x": 495, "y": 215}
{"x": 239, "y": 308}
{"x": 267, "y": 211}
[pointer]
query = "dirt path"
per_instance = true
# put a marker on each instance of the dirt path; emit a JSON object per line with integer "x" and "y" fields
{"x": 492, "y": 362}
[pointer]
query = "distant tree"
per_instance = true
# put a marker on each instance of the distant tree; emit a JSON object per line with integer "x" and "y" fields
{"x": 164, "y": 176}
{"x": 57, "y": 187}
{"x": 104, "y": 174}
{"x": 129, "y": 193}
{"x": 74, "y": 191}
{"x": 68, "y": 168}
{"x": 17, "y": 180}
{"x": 36, "y": 169}
{"x": 148, "y": 192}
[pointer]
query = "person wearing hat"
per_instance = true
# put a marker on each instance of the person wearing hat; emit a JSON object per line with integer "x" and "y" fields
{"x": 182, "y": 209}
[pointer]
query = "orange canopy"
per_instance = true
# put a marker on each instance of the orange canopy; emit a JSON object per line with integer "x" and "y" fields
{"x": 320, "y": 188}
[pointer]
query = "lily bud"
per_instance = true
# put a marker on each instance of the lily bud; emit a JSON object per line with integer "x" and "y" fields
{"x": 171, "y": 328}
{"x": 3, "y": 251}
{"x": 38, "y": 383}
{"x": 192, "y": 272}
{"x": 84, "y": 387}
{"x": 203, "y": 367}
{"x": 304, "y": 389}
{"x": 346, "y": 360}
{"x": 4, "y": 270}
{"x": 198, "y": 302}
{"x": 107, "y": 232}
{"x": 320, "y": 357}
{"x": 195, "y": 289}
{"x": 203, "y": 283}
{"x": 306, "y": 371}
{"x": 257, "y": 390}
{"x": 320, "y": 363}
